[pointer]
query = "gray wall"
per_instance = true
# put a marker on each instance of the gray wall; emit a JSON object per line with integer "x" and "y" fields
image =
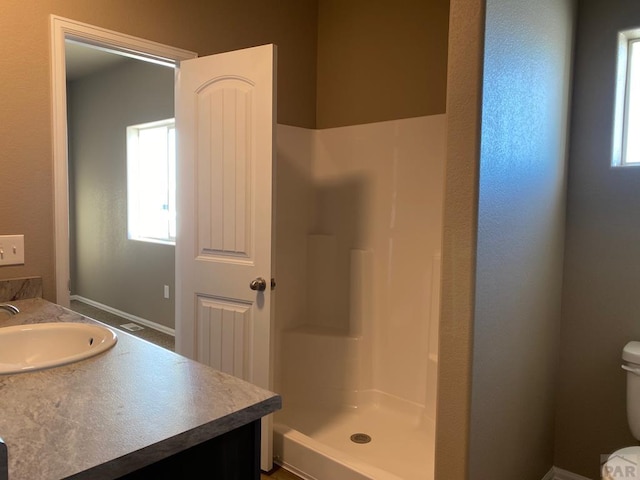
{"x": 526, "y": 86}
{"x": 106, "y": 266}
{"x": 601, "y": 303}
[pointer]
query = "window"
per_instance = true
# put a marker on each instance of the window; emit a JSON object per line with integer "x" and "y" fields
{"x": 151, "y": 182}
{"x": 626, "y": 143}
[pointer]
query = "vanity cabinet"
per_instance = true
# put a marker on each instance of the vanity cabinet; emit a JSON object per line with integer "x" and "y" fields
{"x": 136, "y": 411}
{"x": 232, "y": 456}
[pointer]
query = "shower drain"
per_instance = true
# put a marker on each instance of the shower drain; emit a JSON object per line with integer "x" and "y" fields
{"x": 360, "y": 438}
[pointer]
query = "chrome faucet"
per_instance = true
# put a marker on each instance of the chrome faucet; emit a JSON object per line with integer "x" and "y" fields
{"x": 12, "y": 309}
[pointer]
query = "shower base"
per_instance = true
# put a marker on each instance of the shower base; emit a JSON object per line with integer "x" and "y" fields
{"x": 316, "y": 443}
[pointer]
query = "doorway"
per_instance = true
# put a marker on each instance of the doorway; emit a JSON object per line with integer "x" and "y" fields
{"x": 108, "y": 97}
{"x": 62, "y": 30}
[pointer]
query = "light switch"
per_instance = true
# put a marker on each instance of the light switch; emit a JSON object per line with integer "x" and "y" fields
{"x": 11, "y": 250}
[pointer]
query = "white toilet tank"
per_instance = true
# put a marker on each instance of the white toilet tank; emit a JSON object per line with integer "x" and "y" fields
{"x": 631, "y": 357}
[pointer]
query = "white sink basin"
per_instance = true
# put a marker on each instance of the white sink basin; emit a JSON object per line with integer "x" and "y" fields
{"x": 26, "y": 348}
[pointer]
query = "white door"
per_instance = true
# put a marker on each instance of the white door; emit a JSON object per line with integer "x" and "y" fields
{"x": 225, "y": 112}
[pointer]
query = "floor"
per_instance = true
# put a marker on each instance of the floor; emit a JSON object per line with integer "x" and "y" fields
{"x": 165, "y": 341}
{"x": 146, "y": 333}
{"x": 279, "y": 473}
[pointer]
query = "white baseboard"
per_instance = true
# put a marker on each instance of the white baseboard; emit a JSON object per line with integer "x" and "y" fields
{"x": 559, "y": 474}
{"x": 128, "y": 316}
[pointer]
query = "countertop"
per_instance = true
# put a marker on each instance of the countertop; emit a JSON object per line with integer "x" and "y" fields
{"x": 123, "y": 409}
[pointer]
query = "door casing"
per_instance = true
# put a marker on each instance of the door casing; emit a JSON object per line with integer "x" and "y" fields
{"x": 62, "y": 29}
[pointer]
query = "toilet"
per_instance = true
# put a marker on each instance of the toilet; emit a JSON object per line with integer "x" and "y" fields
{"x": 625, "y": 463}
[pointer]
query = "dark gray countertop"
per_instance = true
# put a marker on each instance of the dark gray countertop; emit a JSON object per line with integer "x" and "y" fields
{"x": 123, "y": 409}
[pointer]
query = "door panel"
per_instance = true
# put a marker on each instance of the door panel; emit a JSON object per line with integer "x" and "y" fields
{"x": 224, "y": 184}
{"x": 224, "y": 331}
{"x": 225, "y": 111}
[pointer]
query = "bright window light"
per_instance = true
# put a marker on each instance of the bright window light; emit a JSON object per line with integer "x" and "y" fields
{"x": 151, "y": 182}
{"x": 626, "y": 144}
{"x": 632, "y": 128}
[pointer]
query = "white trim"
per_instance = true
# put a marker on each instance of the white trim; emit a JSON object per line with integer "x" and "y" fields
{"x": 128, "y": 316}
{"x": 60, "y": 30}
{"x": 560, "y": 474}
{"x": 622, "y": 93}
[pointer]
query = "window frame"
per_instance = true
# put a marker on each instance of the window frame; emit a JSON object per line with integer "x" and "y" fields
{"x": 622, "y": 96}
{"x": 133, "y": 181}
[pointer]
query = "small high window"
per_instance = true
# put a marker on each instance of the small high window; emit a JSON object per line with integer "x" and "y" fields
{"x": 151, "y": 182}
{"x": 626, "y": 142}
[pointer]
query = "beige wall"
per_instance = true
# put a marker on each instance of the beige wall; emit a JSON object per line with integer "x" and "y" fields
{"x": 381, "y": 60}
{"x": 601, "y": 304}
{"x": 204, "y": 27}
{"x": 464, "y": 80}
{"x": 106, "y": 266}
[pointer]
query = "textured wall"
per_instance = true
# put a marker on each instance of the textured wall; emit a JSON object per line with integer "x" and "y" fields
{"x": 521, "y": 214}
{"x": 106, "y": 266}
{"x": 381, "y": 60}
{"x": 464, "y": 81}
{"x": 600, "y": 295}
{"x": 206, "y": 27}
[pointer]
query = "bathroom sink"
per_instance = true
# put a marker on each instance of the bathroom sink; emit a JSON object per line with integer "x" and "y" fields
{"x": 25, "y": 348}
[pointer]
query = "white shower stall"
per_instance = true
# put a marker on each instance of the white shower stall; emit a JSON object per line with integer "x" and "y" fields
{"x": 359, "y": 226}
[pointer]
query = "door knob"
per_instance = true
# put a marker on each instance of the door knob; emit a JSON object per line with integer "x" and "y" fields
{"x": 259, "y": 284}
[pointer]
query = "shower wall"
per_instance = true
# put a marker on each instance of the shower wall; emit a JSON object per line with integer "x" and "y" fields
{"x": 358, "y": 238}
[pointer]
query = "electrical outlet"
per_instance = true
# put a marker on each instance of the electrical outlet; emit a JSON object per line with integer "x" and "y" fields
{"x": 11, "y": 250}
